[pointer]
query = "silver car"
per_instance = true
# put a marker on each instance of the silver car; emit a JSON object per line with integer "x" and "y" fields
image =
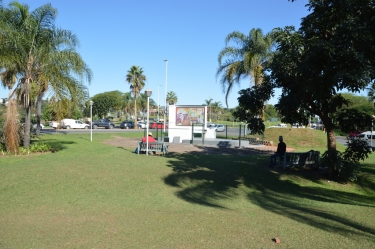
{"x": 220, "y": 127}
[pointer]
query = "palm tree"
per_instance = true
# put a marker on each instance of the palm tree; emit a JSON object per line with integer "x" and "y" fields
{"x": 216, "y": 107}
{"x": 43, "y": 58}
{"x": 136, "y": 79}
{"x": 56, "y": 69}
{"x": 127, "y": 103}
{"x": 246, "y": 60}
{"x": 171, "y": 98}
{"x": 27, "y": 36}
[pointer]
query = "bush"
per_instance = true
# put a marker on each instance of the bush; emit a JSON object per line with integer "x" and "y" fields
{"x": 346, "y": 164}
{"x": 40, "y": 147}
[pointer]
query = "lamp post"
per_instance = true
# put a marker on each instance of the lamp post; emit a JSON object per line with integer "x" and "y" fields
{"x": 165, "y": 90}
{"x": 91, "y": 103}
{"x": 148, "y": 94}
{"x": 158, "y": 102}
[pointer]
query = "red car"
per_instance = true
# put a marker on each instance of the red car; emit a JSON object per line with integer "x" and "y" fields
{"x": 355, "y": 133}
{"x": 158, "y": 126}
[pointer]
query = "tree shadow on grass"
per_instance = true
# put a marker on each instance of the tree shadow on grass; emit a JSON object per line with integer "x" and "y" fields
{"x": 213, "y": 180}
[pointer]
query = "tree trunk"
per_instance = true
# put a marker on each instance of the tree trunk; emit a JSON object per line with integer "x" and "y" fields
{"x": 26, "y": 139}
{"x": 135, "y": 114}
{"x": 331, "y": 146}
{"x": 38, "y": 115}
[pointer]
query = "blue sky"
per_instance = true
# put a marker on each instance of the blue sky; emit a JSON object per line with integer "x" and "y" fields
{"x": 117, "y": 34}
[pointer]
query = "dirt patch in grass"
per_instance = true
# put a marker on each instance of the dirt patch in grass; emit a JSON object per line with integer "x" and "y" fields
{"x": 131, "y": 143}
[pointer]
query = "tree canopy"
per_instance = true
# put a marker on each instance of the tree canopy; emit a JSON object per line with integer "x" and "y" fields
{"x": 332, "y": 51}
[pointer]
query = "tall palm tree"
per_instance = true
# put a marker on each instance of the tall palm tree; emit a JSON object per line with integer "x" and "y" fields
{"x": 43, "y": 57}
{"x": 26, "y": 37}
{"x": 56, "y": 69}
{"x": 246, "y": 60}
{"x": 136, "y": 79}
{"x": 172, "y": 98}
{"x": 127, "y": 104}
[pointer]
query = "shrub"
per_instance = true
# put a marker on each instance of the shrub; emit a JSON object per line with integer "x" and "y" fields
{"x": 346, "y": 164}
{"x": 40, "y": 147}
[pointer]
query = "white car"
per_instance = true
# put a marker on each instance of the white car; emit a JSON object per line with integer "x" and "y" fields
{"x": 73, "y": 124}
{"x": 53, "y": 124}
{"x": 220, "y": 127}
{"x": 41, "y": 126}
{"x": 298, "y": 126}
{"x": 142, "y": 124}
{"x": 366, "y": 135}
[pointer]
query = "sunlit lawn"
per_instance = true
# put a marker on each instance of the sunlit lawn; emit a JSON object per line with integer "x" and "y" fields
{"x": 94, "y": 195}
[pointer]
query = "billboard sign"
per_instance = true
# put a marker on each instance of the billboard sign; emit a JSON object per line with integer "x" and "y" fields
{"x": 186, "y": 116}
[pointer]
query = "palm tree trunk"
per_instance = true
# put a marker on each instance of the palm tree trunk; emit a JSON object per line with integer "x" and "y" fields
{"x": 38, "y": 114}
{"x": 26, "y": 139}
{"x": 135, "y": 114}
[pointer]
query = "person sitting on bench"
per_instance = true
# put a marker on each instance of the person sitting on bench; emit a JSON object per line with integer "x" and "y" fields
{"x": 281, "y": 149}
{"x": 150, "y": 139}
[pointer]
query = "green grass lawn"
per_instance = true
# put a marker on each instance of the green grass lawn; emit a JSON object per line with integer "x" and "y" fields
{"x": 94, "y": 195}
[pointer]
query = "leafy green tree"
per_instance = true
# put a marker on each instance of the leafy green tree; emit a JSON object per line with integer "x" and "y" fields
{"x": 172, "y": 98}
{"x": 103, "y": 102}
{"x": 270, "y": 112}
{"x": 143, "y": 103}
{"x": 331, "y": 52}
{"x": 247, "y": 59}
{"x": 136, "y": 79}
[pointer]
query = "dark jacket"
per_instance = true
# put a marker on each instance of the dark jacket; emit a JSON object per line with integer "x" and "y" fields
{"x": 281, "y": 148}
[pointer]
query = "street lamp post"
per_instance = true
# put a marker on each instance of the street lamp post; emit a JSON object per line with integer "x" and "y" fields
{"x": 148, "y": 94}
{"x": 91, "y": 103}
{"x": 165, "y": 90}
{"x": 158, "y": 102}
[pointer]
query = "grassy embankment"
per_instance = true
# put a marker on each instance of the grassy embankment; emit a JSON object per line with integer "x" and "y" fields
{"x": 94, "y": 195}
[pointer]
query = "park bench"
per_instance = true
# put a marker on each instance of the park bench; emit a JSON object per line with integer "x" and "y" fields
{"x": 300, "y": 159}
{"x": 152, "y": 147}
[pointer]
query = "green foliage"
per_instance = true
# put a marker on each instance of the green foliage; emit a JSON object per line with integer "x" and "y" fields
{"x": 103, "y": 102}
{"x": 270, "y": 112}
{"x": 352, "y": 119}
{"x": 347, "y": 164}
{"x": 244, "y": 60}
{"x": 40, "y": 147}
{"x": 256, "y": 125}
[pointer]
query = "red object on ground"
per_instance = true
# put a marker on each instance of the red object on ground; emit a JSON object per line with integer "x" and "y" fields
{"x": 276, "y": 240}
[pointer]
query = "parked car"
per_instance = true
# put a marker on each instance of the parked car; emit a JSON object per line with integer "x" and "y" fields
{"x": 366, "y": 135}
{"x": 141, "y": 124}
{"x": 41, "y": 126}
{"x": 158, "y": 125}
{"x": 105, "y": 123}
{"x": 68, "y": 123}
{"x": 53, "y": 124}
{"x": 220, "y": 127}
{"x": 127, "y": 125}
{"x": 355, "y": 133}
{"x": 297, "y": 125}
